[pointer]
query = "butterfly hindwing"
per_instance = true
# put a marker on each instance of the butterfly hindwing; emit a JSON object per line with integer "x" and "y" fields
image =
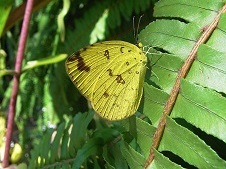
{"x": 110, "y": 74}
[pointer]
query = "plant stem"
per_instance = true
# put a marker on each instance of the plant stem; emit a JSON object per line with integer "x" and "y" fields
{"x": 16, "y": 80}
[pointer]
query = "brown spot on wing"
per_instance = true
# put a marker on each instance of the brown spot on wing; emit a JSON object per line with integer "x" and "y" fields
{"x": 106, "y": 53}
{"x": 110, "y": 72}
{"x": 119, "y": 79}
{"x": 121, "y": 49}
{"x": 81, "y": 64}
{"x": 106, "y": 94}
{"x": 72, "y": 58}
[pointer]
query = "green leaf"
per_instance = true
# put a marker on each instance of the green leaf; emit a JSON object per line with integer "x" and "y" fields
{"x": 78, "y": 131}
{"x": 5, "y": 8}
{"x": 88, "y": 149}
{"x": 218, "y": 37}
{"x": 186, "y": 46}
{"x": 44, "y": 61}
{"x": 204, "y": 109}
{"x": 54, "y": 156}
{"x": 38, "y": 156}
{"x": 189, "y": 147}
{"x": 145, "y": 133}
{"x": 154, "y": 102}
{"x": 104, "y": 16}
{"x": 209, "y": 70}
{"x": 65, "y": 141}
{"x": 133, "y": 158}
{"x": 167, "y": 68}
{"x": 200, "y": 12}
{"x": 161, "y": 32}
{"x": 161, "y": 161}
{"x": 113, "y": 156}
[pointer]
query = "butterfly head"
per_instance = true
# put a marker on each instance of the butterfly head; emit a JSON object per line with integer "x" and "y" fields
{"x": 139, "y": 45}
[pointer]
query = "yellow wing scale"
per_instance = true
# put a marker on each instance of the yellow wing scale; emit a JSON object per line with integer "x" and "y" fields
{"x": 110, "y": 74}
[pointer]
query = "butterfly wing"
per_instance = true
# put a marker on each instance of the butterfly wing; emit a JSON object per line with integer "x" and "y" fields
{"x": 110, "y": 74}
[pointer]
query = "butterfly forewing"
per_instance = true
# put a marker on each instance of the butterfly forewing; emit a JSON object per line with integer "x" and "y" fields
{"x": 84, "y": 66}
{"x": 111, "y": 75}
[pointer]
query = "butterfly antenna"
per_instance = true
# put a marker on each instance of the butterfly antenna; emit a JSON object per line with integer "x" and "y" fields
{"x": 134, "y": 34}
{"x": 138, "y": 27}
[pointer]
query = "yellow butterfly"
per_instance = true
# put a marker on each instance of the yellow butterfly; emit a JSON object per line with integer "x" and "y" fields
{"x": 110, "y": 75}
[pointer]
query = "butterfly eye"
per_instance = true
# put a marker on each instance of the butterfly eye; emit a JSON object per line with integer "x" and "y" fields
{"x": 139, "y": 45}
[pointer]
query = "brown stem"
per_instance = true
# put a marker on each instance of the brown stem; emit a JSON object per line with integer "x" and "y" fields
{"x": 16, "y": 80}
{"x": 174, "y": 93}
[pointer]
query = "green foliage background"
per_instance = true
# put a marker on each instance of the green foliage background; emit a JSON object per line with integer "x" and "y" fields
{"x": 47, "y": 96}
{"x": 54, "y": 124}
